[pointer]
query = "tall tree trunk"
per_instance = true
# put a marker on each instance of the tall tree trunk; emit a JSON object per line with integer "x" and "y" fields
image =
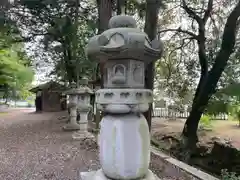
{"x": 68, "y": 56}
{"x": 66, "y": 63}
{"x": 75, "y": 43}
{"x": 5, "y": 96}
{"x": 202, "y": 55}
{"x": 121, "y": 6}
{"x": 104, "y": 15}
{"x": 5, "y": 4}
{"x": 151, "y": 19}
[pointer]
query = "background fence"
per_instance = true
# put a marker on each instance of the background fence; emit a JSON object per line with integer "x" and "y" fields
{"x": 166, "y": 113}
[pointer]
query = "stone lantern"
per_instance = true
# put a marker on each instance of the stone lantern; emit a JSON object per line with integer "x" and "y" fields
{"x": 72, "y": 105}
{"x": 83, "y": 107}
{"x": 124, "y": 137}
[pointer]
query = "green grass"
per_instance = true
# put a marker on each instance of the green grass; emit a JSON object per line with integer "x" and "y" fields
{"x": 3, "y": 113}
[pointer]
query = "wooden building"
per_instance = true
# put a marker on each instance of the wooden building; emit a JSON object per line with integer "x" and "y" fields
{"x": 50, "y": 97}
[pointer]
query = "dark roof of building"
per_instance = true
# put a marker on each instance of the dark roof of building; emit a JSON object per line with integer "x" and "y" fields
{"x": 51, "y": 85}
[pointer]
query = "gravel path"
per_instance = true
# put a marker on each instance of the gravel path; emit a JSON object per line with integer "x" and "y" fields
{"x": 34, "y": 147}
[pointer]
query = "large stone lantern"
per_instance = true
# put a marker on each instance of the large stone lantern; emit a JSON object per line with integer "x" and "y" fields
{"x": 124, "y": 137}
{"x": 83, "y": 106}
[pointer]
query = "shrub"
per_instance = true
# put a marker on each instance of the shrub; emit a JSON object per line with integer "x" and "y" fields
{"x": 234, "y": 112}
{"x": 205, "y": 122}
{"x": 225, "y": 175}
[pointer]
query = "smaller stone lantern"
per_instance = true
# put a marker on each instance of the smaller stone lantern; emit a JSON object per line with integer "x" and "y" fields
{"x": 72, "y": 106}
{"x": 83, "y": 107}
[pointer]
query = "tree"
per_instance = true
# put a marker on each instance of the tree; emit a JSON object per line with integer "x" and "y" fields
{"x": 16, "y": 72}
{"x": 15, "y": 75}
{"x": 228, "y": 101}
{"x": 150, "y": 28}
{"x": 173, "y": 79}
{"x": 235, "y": 111}
{"x": 211, "y": 68}
{"x": 209, "y": 78}
{"x": 104, "y": 14}
{"x": 55, "y": 27}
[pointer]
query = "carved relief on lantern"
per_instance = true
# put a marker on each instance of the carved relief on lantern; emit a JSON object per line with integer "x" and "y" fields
{"x": 123, "y": 100}
{"x": 127, "y": 74}
{"x": 105, "y": 75}
{"x": 83, "y": 99}
{"x": 73, "y": 100}
{"x": 116, "y": 74}
{"x": 84, "y": 103}
{"x": 137, "y": 73}
{"x": 119, "y": 74}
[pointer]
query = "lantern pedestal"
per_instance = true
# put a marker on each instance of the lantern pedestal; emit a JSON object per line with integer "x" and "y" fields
{"x": 124, "y": 149}
{"x": 99, "y": 175}
{"x": 71, "y": 127}
{"x": 83, "y": 132}
{"x": 84, "y": 108}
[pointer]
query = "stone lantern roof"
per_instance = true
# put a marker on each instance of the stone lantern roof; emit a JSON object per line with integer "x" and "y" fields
{"x": 123, "y": 41}
{"x": 83, "y": 89}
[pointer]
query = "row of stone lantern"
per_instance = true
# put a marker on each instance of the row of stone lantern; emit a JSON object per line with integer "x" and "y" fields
{"x": 79, "y": 105}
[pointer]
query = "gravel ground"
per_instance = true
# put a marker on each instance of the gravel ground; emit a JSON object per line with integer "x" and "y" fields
{"x": 34, "y": 147}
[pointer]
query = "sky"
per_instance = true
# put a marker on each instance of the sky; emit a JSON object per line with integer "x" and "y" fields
{"x": 42, "y": 68}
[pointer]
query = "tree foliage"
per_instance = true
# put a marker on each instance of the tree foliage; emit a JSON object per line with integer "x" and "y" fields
{"x": 204, "y": 41}
{"x": 16, "y": 72}
{"x": 59, "y": 30}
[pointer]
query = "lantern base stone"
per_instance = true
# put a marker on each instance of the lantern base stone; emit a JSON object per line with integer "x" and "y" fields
{"x": 71, "y": 127}
{"x": 99, "y": 175}
{"x": 82, "y": 135}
